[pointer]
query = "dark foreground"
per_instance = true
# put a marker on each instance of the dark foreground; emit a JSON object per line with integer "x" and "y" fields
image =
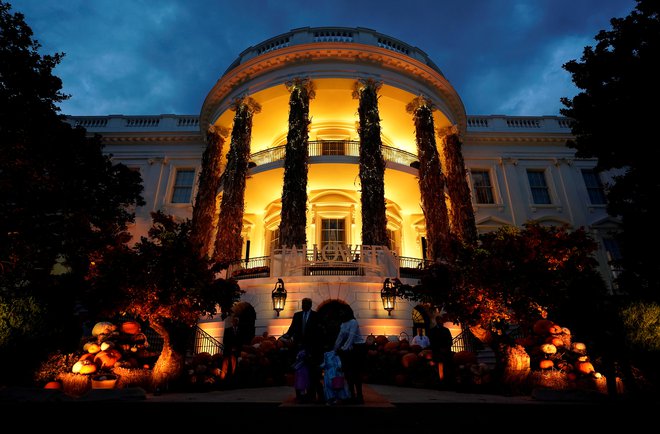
{"x": 275, "y": 410}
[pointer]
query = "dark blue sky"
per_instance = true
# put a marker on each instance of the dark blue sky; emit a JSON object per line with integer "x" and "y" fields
{"x": 137, "y": 57}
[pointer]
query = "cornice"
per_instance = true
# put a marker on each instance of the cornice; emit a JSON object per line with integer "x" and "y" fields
{"x": 329, "y": 51}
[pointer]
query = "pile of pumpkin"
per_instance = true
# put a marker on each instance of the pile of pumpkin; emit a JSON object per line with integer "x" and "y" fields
{"x": 112, "y": 346}
{"x": 263, "y": 362}
{"x": 551, "y": 349}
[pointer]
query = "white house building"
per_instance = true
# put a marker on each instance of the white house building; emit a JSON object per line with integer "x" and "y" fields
{"x": 517, "y": 168}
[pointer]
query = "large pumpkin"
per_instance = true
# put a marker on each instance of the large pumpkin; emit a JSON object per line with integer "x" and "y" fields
{"x": 409, "y": 360}
{"x": 130, "y": 327}
{"x": 542, "y": 327}
{"x": 103, "y": 328}
{"x": 53, "y": 385}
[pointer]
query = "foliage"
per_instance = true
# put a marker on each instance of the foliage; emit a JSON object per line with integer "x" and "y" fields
{"x": 210, "y": 182}
{"x": 229, "y": 241}
{"x": 641, "y": 321}
{"x": 612, "y": 122}
{"x": 294, "y": 189}
{"x": 431, "y": 180}
{"x": 371, "y": 165}
{"x": 61, "y": 198}
{"x": 461, "y": 214}
{"x": 162, "y": 279}
{"x": 56, "y": 364}
{"x": 514, "y": 276}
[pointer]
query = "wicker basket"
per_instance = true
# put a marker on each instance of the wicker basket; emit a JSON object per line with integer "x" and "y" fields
{"x": 104, "y": 382}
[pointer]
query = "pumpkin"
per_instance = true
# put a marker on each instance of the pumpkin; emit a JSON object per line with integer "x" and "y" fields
{"x": 87, "y": 357}
{"x": 465, "y": 358}
{"x": 87, "y": 369}
{"x": 565, "y": 331}
{"x": 585, "y": 368}
{"x": 77, "y": 366}
{"x": 103, "y": 328}
{"x": 130, "y": 327}
{"x": 578, "y": 347}
{"x": 555, "y": 340}
{"x": 105, "y": 359}
{"x": 266, "y": 346}
{"x": 542, "y": 326}
{"x": 94, "y": 348}
{"x": 392, "y": 346}
{"x": 106, "y": 345}
{"x": 555, "y": 329}
{"x": 548, "y": 349}
{"x": 546, "y": 364}
{"x": 53, "y": 385}
{"x": 572, "y": 376}
{"x": 381, "y": 340}
{"x": 409, "y": 360}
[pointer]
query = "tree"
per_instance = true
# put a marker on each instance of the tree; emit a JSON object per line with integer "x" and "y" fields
{"x": 229, "y": 239}
{"x": 61, "y": 200}
{"x": 371, "y": 165}
{"x": 612, "y": 120}
{"x": 294, "y": 189}
{"x": 431, "y": 180}
{"x": 515, "y": 276}
{"x": 165, "y": 283}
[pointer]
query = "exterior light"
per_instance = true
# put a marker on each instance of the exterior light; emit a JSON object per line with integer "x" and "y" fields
{"x": 388, "y": 295}
{"x": 279, "y": 296}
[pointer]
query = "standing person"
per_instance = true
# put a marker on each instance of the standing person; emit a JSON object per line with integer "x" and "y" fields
{"x": 441, "y": 342}
{"x": 421, "y": 339}
{"x": 305, "y": 332}
{"x": 232, "y": 342}
{"x": 352, "y": 350}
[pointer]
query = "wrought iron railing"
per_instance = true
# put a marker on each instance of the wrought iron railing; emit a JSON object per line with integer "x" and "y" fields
{"x": 466, "y": 341}
{"x": 203, "y": 342}
{"x": 259, "y": 267}
{"x": 329, "y": 148}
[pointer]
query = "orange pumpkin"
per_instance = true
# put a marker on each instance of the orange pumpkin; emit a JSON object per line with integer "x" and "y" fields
{"x": 546, "y": 364}
{"x": 130, "y": 327}
{"x": 53, "y": 385}
{"x": 585, "y": 367}
{"x": 542, "y": 327}
{"x": 408, "y": 360}
{"x": 555, "y": 329}
{"x": 555, "y": 340}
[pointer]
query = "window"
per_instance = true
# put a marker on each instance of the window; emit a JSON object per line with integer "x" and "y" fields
{"x": 391, "y": 240}
{"x": 274, "y": 240}
{"x": 332, "y": 147}
{"x": 540, "y": 193}
{"x": 613, "y": 255}
{"x": 333, "y": 232}
{"x": 183, "y": 186}
{"x": 594, "y": 187}
{"x": 483, "y": 189}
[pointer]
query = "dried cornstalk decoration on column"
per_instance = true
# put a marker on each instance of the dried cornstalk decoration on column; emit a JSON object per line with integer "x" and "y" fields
{"x": 461, "y": 214}
{"x": 293, "y": 221}
{"x": 206, "y": 203}
{"x": 372, "y": 165}
{"x": 228, "y": 240}
{"x": 431, "y": 180}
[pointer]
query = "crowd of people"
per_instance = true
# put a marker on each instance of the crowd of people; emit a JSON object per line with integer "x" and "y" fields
{"x": 332, "y": 371}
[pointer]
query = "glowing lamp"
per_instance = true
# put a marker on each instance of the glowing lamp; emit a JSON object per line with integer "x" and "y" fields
{"x": 279, "y": 296}
{"x": 388, "y": 295}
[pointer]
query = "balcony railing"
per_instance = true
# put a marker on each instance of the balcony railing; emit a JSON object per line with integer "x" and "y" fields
{"x": 329, "y": 148}
{"x": 260, "y": 267}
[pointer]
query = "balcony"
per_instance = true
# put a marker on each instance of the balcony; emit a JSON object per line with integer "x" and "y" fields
{"x": 316, "y": 264}
{"x": 326, "y": 150}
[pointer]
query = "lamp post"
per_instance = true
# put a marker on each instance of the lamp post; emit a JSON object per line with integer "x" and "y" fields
{"x": 388, "y": 295}
{"x": 279, "y": 296}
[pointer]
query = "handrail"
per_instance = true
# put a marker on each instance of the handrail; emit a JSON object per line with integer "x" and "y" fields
{"x": 329, "y": 148}
{"x": 205, "y": 343}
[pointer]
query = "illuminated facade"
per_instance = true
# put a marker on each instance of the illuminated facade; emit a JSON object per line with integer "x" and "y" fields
{"x": 516, "y": 169}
